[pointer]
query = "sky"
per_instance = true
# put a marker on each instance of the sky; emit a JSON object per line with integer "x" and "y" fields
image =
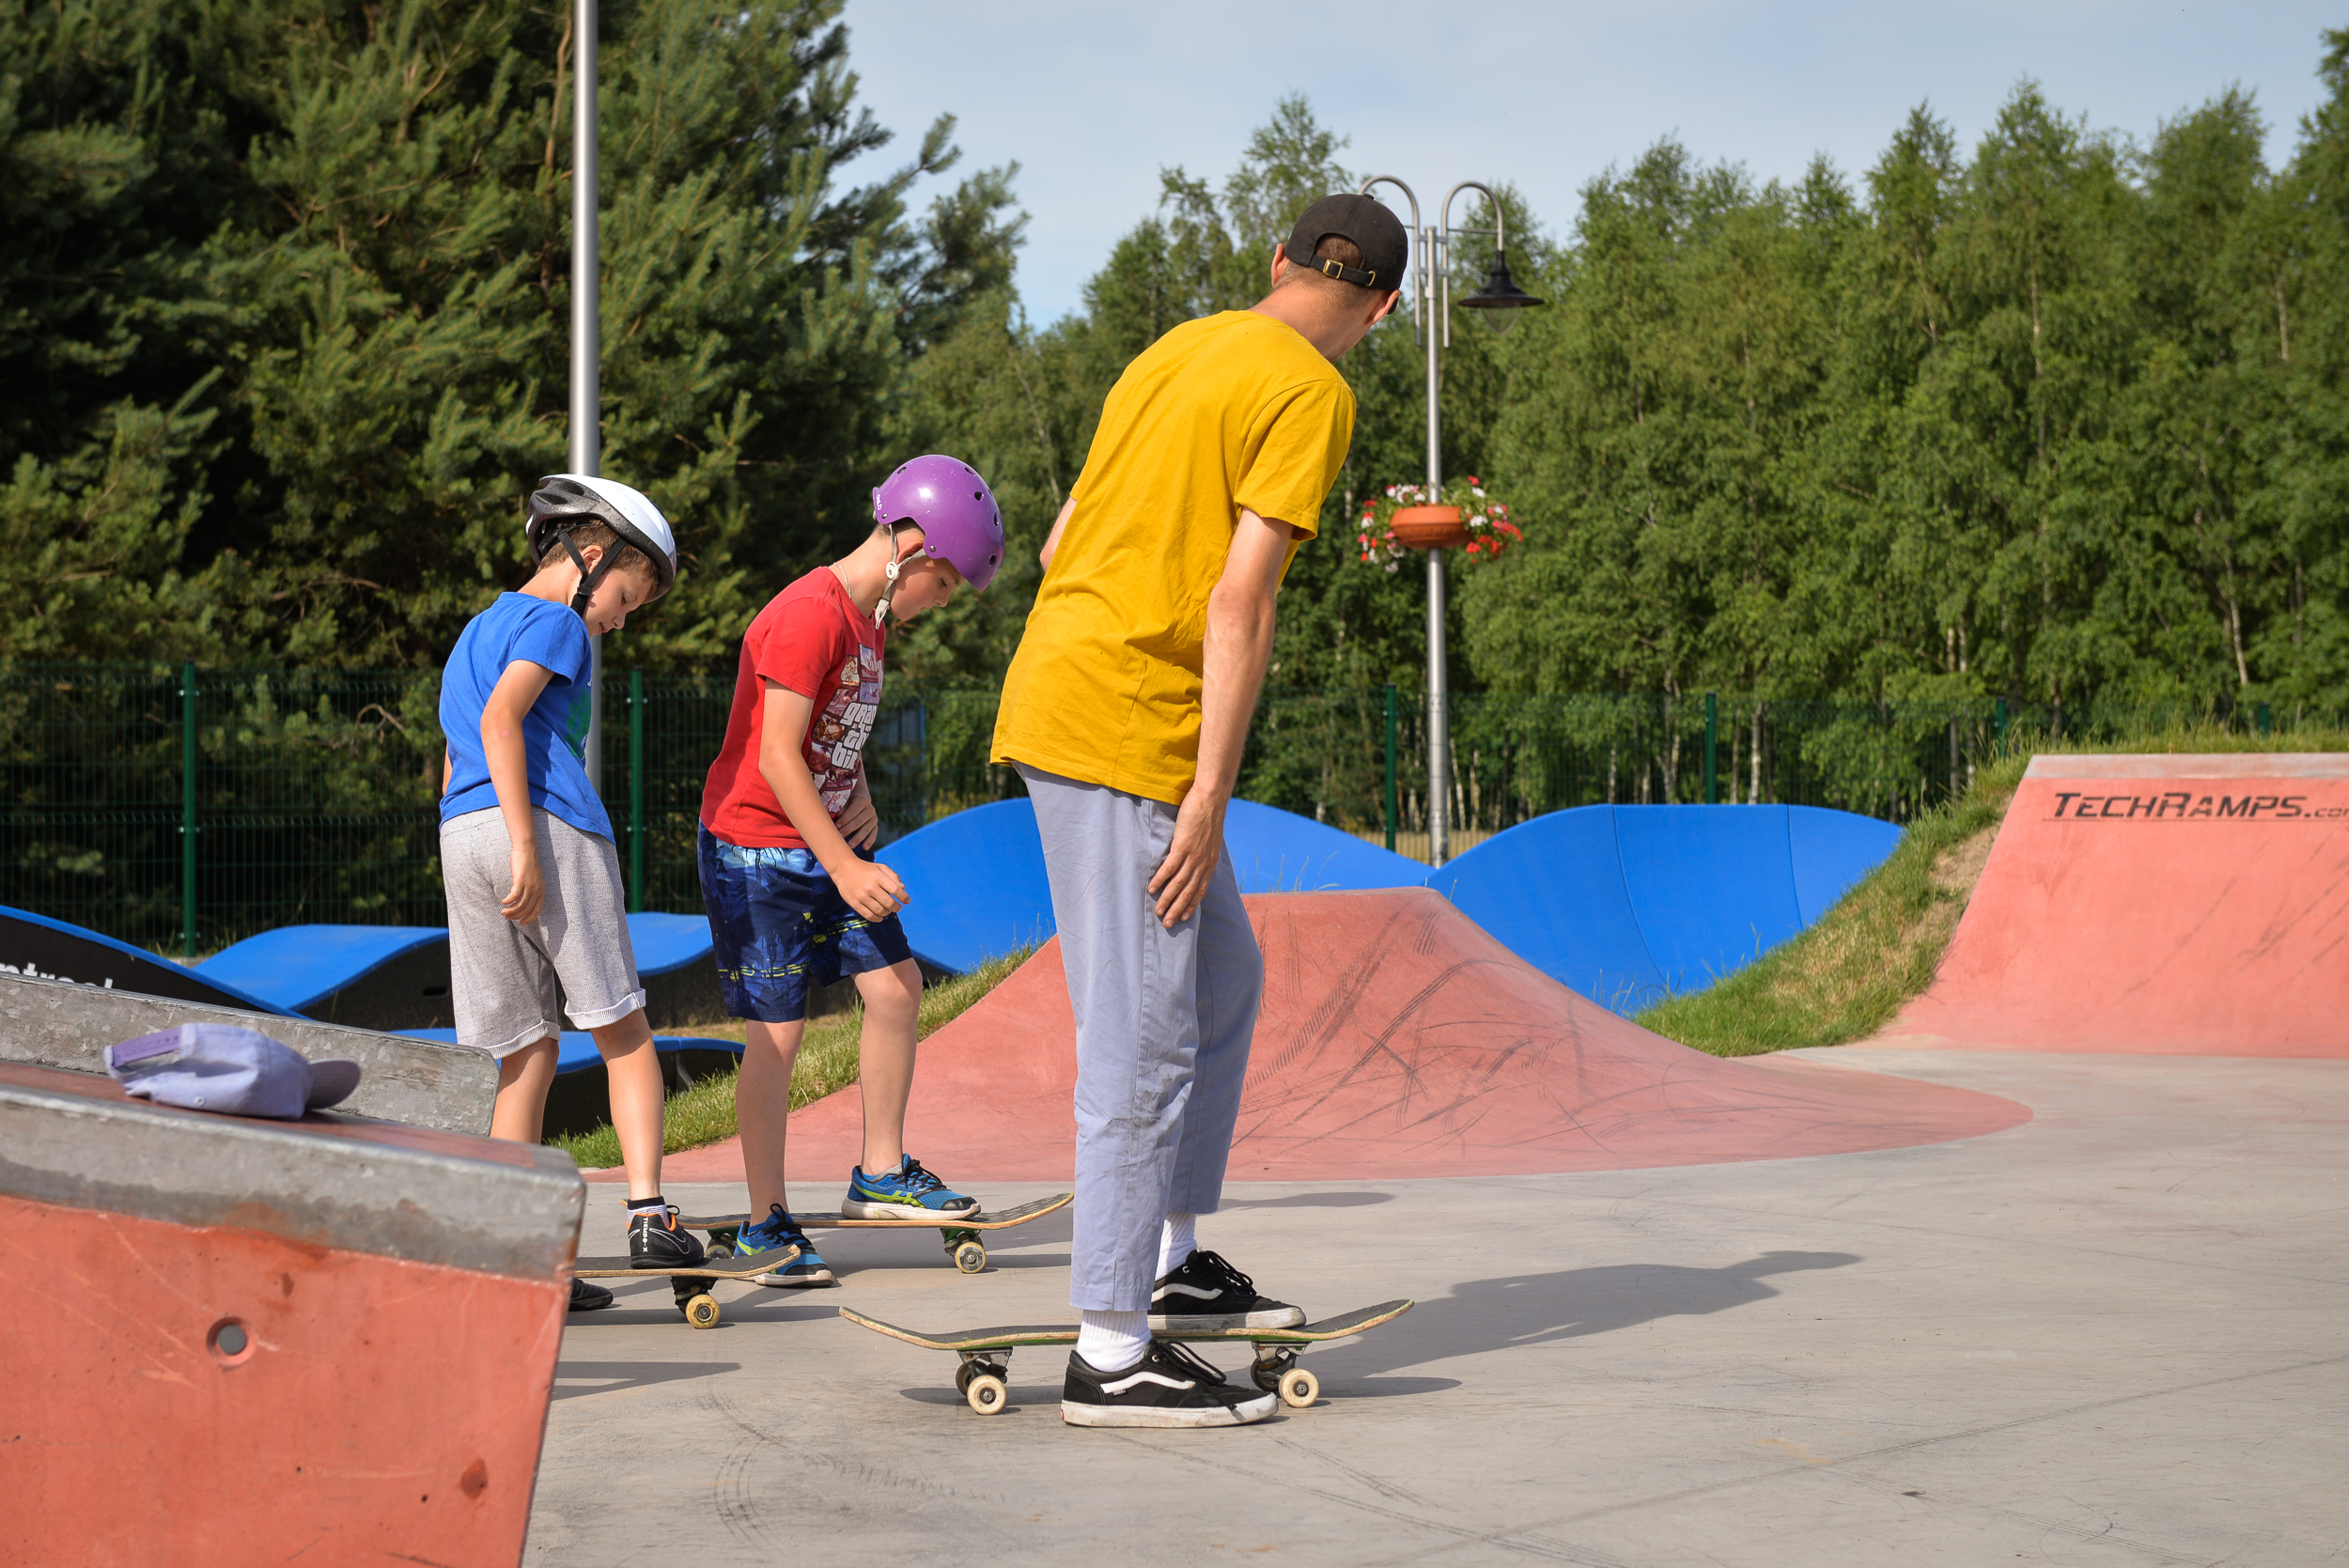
{"x": 1091, "y": 101}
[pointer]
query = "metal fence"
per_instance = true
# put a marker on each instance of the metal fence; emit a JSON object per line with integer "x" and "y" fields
{"x": 181, "y": 809}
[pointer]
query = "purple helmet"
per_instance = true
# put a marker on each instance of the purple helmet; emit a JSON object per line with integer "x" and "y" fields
{"x": 945, "y": 498}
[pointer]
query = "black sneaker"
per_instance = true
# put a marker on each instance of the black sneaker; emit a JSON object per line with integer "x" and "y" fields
{"x": 588, "y": 1296}
{"x": 1168, "y": 1387}
{"x": 656, "y": 1240}
{"x": 1208, "y": 1293}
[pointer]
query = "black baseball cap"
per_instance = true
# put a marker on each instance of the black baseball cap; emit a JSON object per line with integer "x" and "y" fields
{"x": 1380, "y": 233}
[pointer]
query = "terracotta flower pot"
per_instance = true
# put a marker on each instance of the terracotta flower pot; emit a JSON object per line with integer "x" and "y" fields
{"x": 1428, "y": 527}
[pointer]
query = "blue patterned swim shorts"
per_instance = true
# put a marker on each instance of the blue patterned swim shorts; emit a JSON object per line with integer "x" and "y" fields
{"x": 781, "y": 927}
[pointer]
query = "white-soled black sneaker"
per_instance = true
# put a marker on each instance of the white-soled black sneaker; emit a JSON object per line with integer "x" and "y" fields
{"x": 1168, "y": 1387}
{"x": 1208, "y": 1293}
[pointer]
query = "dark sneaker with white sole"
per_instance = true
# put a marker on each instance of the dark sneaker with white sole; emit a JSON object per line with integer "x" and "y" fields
{"x": 656, "y": 1240}
{"x": 1208, "y": 1293}
{"x": 1168, "y": 1387}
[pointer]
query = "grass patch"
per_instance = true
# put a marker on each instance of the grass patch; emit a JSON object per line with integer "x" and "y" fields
{"x": 704, "y": 1113}
{"x": 1846, "y": 977}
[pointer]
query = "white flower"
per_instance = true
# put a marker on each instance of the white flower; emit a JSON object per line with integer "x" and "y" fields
{"x": 1390, "y": 565}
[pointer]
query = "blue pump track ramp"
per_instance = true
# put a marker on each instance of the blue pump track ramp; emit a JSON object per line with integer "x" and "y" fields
{"x": 45, "y": 949}
{"x": 1627, "y": 904}
{"x": 978, "y": 890}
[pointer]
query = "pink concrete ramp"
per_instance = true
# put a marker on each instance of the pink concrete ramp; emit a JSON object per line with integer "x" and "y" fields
{"x": 2186, "y": 905}
{"x": 1398, "y": 1039}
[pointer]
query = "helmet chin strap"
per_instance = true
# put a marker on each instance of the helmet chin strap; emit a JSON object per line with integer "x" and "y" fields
{"x": 889, "y": 587}
{"x": 588, "y": 581}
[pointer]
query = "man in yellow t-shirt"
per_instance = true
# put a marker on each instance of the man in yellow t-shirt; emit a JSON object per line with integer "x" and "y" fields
{"x": 1124, "y": 710}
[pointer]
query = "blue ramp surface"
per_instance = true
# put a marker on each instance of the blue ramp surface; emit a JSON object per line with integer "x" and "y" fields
{"x": 1629, "y": 904}
{"x": 978, "y": 890}
{"x": 667, "y": 942}
{"x": 45, "y": 949}
{"x": 296, "y": 965}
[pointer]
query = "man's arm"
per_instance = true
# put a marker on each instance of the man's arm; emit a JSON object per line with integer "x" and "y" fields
{"x": 872, "y": 890}
{"x": 511, "y": 702}
{"x": 1051, "y": 541}
{"x": 1237, "y": 646}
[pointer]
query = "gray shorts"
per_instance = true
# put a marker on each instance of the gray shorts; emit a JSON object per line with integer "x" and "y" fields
{"x": 502, "y": 976}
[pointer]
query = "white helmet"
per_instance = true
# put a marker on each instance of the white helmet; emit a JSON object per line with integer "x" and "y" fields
{"x": 567, "y": 498}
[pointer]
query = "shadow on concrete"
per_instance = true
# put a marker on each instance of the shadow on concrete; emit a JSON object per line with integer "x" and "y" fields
{"x": 612, "y": 1376}
{"x": 1574, "y": 1303}
{"x": 1312, "y": 1201}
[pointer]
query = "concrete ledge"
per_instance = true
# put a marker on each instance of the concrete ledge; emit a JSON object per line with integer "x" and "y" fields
{"x": 52, "y": 1023}
{"x": 393, "y": 1191}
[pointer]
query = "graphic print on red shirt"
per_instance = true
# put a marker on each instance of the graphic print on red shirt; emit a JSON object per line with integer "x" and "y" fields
{"x": 811, "y": 639}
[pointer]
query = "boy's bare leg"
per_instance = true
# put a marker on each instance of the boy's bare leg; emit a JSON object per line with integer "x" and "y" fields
{"x": 523, "y": 1076}
{"x": 892, "y": 1002}
{"x": 762, "y": 1108}
{"x": 634, "y": 1070}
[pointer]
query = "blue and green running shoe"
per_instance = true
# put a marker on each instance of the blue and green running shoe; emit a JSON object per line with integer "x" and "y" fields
{"x": 773, "y": 1234}
{"x": 909, "y": 1193}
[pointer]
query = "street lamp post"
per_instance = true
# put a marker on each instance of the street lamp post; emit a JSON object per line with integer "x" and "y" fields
{"x": 586, "y": 454}
{"x": 1432, "y": 308}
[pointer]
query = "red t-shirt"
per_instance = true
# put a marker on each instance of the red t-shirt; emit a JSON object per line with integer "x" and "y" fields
{"x": 812, "y": 639}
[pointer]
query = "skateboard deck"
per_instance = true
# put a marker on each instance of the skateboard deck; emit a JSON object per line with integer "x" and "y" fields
{"x": 985, "y": 1351}
{"x": 699, "y": 1307}
{"x": 959, "y": 1232}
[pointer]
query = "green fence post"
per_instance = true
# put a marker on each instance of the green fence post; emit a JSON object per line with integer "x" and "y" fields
{"x": 1712, "y": 749}
{"x": 187, "y": 808}
{"x": 1390, "y": 796}
{"x": 2263, "y": 718}
{"x": 636, "y": 791}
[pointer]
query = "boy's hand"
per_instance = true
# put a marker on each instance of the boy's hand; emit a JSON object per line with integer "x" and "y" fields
{"x": 860, "y": 820}
{"x": 871, "y": 888}
{"x": 521, "y": 901}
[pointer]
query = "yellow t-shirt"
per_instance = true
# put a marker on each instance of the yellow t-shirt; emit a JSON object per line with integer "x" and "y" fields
{"x": 1231, "y": 411}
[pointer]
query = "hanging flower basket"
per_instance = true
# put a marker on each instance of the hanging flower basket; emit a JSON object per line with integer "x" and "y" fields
{"x": 1466, "y": 517}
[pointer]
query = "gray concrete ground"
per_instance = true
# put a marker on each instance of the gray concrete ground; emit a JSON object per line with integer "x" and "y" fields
{"x": 2113, "y": 1335}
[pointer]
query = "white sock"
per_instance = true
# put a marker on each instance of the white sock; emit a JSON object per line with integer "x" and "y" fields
{"x": 1178, "y": 1238}
{"x": 1111, "y": 1342}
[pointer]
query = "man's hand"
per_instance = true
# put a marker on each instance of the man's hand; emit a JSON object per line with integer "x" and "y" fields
{"x": 860, "y": 819}
{"x": 521, "y": 901}
{"x": 871, "y": 888}
{"x": 1190, "y": 860}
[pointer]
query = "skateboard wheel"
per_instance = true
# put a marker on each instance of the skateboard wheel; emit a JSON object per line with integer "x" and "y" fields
{"x": 702, "y": 1312}
{"x": 721, "y": 1244}
{"x": 970, "y": 1256}
{"x": 986, "y": 1394}
{"x": 1298, "y": 1388}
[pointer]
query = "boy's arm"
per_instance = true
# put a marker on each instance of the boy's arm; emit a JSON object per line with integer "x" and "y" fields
{"x": 1060, "y": 524}
{"x": 1237, "y": 646}
{"x": 860, "y": 819}
{"x": 502, "y": 716}
{"x": 872, "y": 890}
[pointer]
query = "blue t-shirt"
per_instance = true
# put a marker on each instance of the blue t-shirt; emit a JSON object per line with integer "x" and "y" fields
{"x": 550, "y": 636}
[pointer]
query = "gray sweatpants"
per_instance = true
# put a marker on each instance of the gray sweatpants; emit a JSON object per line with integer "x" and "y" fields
{"x": 1164, "y": 1019}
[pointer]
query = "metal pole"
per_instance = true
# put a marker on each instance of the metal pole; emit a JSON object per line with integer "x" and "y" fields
{"x": 1432, "y": 265}
{"x": 587, "y": 405}
{"x": 187, "y": 808}
{"x": 1390, "y": 796}
{"x": 635, "y": 790}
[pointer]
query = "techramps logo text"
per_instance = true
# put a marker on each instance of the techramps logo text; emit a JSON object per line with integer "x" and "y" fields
{"x": 2181, "y": 805}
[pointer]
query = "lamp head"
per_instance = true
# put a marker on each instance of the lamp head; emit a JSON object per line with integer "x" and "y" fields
{"x": 1500, "y": 299}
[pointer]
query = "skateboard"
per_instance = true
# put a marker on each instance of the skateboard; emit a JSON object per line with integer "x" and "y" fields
{"x": 959, "y": 1232}
{"x": 987, "y": 1352}
{"x": 693, "y": 1299}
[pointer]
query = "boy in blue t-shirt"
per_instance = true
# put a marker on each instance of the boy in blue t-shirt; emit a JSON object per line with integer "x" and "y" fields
{"x": 533, "y": 883}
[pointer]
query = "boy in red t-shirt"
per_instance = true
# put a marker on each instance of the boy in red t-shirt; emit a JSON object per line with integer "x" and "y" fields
{"x": 788, "y": 826}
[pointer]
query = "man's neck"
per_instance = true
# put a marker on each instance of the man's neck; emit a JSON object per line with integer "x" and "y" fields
{"x": 1309, "y": 318}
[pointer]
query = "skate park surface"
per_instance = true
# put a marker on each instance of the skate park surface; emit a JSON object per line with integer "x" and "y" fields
{"x": 2113, "y": 1333}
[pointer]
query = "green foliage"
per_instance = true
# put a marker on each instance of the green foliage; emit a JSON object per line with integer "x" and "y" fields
{"x": 704, "y": 1112}
{"x": 286, "y": 296}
